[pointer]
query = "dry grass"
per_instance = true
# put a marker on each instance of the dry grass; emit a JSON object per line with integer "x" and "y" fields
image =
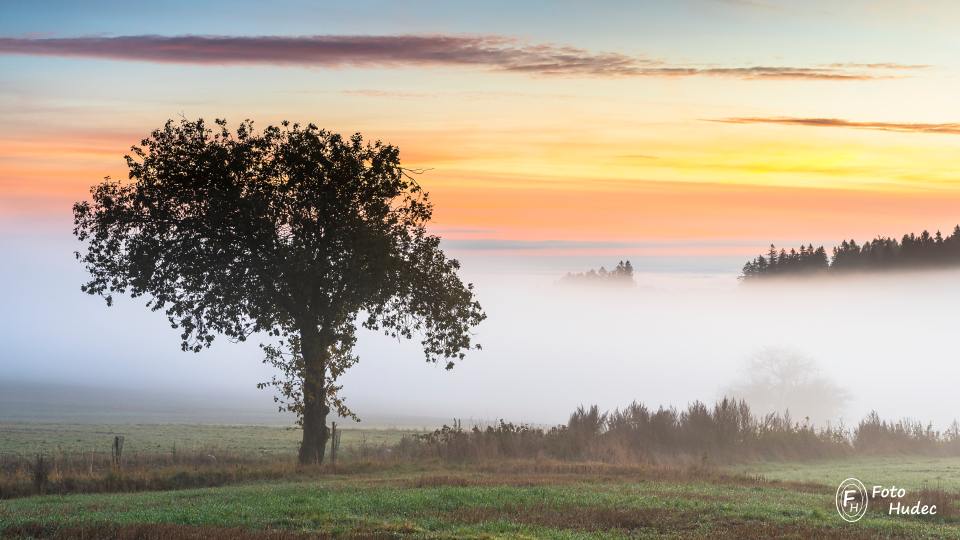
{"x": 66, "y": 477}
{"x": 163, "y": 531}
{"x": 66, "y": 474}
{"x": 537, "y": 472}
{"x": 662, "y": 444}
{"x": 726, "y": 432}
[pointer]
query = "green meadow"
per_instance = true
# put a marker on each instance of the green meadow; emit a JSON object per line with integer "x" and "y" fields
{"x": 519, "y": 499}
{"x": 255, "y": 440}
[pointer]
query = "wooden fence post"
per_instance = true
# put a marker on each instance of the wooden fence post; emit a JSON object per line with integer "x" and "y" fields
{"x": 334, "y": 444}
{"x": 117, "y": 451}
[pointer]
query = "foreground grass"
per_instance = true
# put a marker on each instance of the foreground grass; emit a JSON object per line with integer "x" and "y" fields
{"x": 275, "y": 499}
{"x": 527, "y": 500}
{"x": 911, "y": 472}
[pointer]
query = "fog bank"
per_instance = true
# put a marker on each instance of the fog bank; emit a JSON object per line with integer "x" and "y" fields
{"x": 675, "y": 337}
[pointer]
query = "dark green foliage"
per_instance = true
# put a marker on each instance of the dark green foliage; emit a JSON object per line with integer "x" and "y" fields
{"x": 882, "y": 253}
{"x": 294, "y": 233}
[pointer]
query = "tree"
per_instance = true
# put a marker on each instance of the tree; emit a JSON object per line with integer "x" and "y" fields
{"x": 622, "y": 274}
{"x": 778, "y": 380}
{"x": 294, "y": 234}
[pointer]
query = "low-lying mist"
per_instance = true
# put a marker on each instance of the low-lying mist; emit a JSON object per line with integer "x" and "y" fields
{"x": 879, "y": 342}
{"x": 845, "y": 346}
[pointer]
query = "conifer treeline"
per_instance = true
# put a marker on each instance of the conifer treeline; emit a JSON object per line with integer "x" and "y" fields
{"x": 912, "y": 251}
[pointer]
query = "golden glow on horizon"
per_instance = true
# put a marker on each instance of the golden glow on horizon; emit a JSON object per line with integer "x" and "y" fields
{"x": 540, "y": 186}
{"x": 537, "y": 160}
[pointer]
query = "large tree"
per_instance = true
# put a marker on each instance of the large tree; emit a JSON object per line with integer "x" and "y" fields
{"x": 293, "y": 234}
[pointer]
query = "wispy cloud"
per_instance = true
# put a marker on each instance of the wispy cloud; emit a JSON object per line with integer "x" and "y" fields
{"x": 946, "y": 128}
{"x": 496, "y": 53}
{"x": 393, "y": 94}
{"x": 879, "y": 65}
{"x": 497, "y": 244}
{"x": 750, "y": 3}
{"x": 635, "y": 157}
{"x": 781, "y": 72}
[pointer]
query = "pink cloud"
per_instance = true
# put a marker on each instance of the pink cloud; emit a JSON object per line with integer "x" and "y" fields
{"x": 496, "y": 53}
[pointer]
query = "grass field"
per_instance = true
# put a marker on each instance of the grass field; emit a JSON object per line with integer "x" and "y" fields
{"x": 528, "y": 500}
{"x": 531, "y": 499}
{"x": 30, "y": 438}
{"x": 907, "y": 471}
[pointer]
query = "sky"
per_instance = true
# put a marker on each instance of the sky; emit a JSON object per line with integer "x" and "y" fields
{"x": 555, "y": 136}
{"x": 692, "y": 128}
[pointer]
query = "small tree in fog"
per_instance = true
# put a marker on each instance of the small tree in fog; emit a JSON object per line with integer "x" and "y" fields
{"x": 584, "y": 426}
{"x": 622, "y": 274}
{"x": 292, "y": 232}
{"x": 778, "y": 380}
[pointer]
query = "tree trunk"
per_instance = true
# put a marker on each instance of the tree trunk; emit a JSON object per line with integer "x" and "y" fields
{"x": 315, "y": 408}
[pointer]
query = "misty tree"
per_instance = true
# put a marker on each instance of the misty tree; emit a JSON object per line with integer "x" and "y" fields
{"x": 622, "y": 274}
{"x": 805, "y": 261}
{"x": 777, "y": 380}
{"x": 293, "y": 234}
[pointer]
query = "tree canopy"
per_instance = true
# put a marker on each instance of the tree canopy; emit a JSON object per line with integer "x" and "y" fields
{"x": 292, "y": 232}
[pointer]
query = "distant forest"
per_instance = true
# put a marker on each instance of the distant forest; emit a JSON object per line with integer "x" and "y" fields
{"x": 622, "y": 274}
{"x": 912, "y": 251}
